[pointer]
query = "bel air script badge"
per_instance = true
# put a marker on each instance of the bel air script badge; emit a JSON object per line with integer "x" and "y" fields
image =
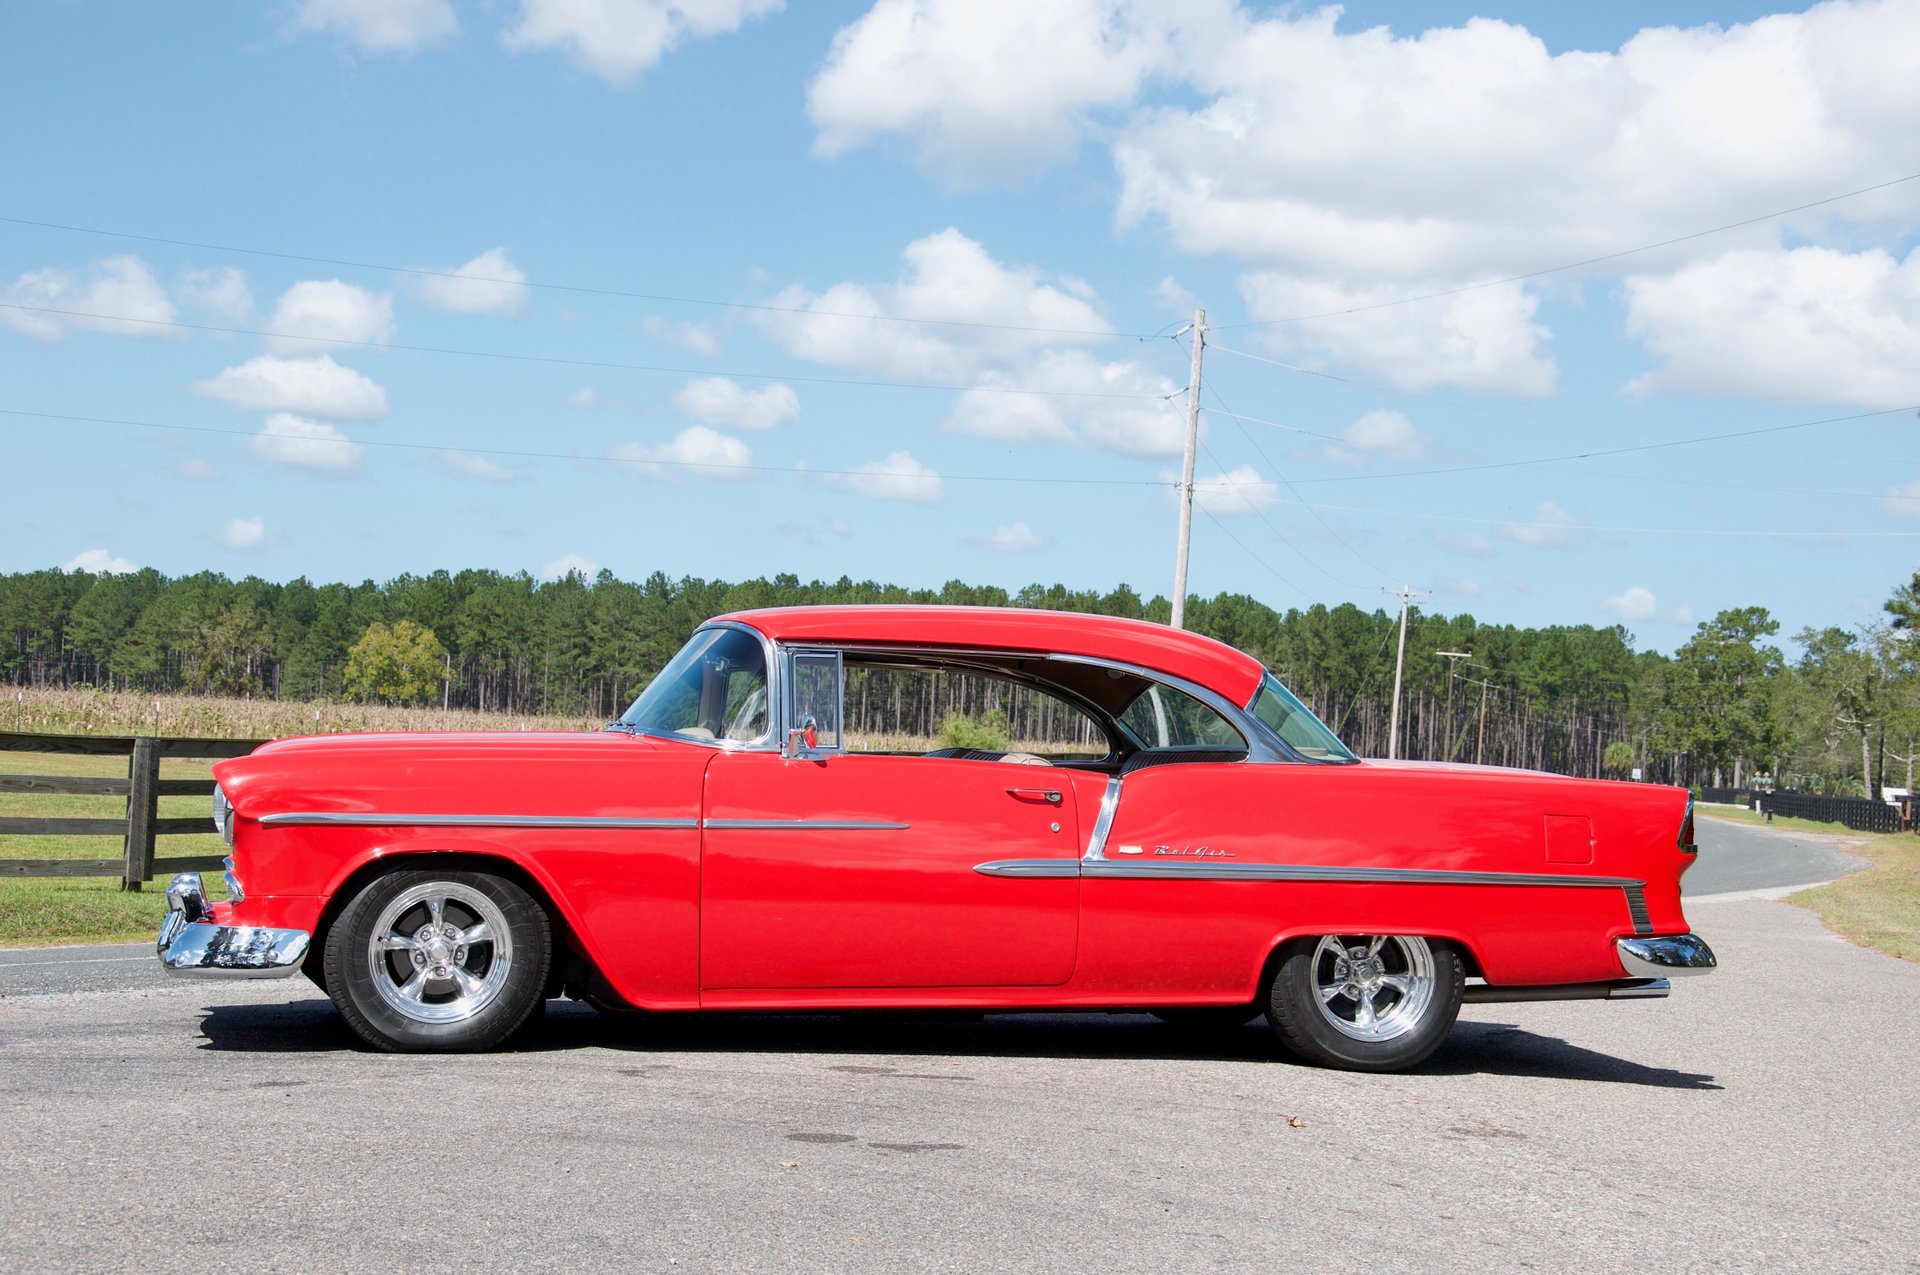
{"x": 1178, "y": 852}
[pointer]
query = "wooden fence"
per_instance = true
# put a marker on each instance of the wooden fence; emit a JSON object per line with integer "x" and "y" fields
{"x": 142, "y": 788}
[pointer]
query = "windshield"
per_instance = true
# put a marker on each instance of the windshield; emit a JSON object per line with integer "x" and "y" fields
{"x": 1295, "y": 723}
{"x": 716, "y": 688}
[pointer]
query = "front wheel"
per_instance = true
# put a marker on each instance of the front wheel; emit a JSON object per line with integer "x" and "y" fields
{"x": 438, "y": 961}
{"x": 1362, "y": 1002}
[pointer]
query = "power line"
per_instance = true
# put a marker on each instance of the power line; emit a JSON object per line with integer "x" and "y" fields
{"x": 343, "y": 440}
{"x": 1609, "y": 451}
{"x": 554, "y": 359}
{"x": 1261, "y": 452}
{"x": 576, "y": 289}
{"x": 1573, "y": 265}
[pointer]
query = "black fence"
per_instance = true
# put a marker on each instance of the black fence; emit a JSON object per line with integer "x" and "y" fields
{"x": 1855, "y": 812}
{"x": 1727, "y": 796}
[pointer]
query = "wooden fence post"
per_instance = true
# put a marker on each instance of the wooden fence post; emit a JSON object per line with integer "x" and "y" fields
{"x": 143, "y": 807}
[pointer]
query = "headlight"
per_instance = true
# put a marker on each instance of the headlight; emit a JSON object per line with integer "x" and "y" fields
{"x": 222, "y": 815}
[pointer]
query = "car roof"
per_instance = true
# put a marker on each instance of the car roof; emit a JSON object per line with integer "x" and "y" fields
{"x": 1215, "y": 665}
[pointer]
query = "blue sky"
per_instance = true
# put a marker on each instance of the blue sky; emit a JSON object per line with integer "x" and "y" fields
{"x": 349, "y": 288}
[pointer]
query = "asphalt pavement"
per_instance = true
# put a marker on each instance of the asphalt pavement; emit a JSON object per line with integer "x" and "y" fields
{"x": 1764, "y": 1118}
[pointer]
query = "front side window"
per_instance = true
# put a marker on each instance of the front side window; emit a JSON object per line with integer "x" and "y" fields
{"x": 816, "y": 697}
{"x": 715, "y": 688}
{"x": 1162, "y": 717}
{"x": 1295, "y": 723}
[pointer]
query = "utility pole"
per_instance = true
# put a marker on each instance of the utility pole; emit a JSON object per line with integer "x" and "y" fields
{"x": 1406, "y": 596}
{"x": 1480, "y": 743}
{"x": 1186, "y": 472}
{"x": 1453, "y": 659}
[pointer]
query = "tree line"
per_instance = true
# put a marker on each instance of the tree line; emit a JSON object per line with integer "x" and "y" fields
{"x": 1575, "y": 699}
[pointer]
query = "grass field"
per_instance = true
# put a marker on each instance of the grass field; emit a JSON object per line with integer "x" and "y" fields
{"x": 1877, "y": 908}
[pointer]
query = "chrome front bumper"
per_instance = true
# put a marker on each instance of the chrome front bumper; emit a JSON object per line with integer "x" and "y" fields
{"x": 191, "y": 943}
{"x": 1669, "y": 956}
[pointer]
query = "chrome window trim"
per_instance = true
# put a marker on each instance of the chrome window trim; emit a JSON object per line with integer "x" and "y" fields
{"x": 803, "y": 825}
{"x": 380, "y": 819}
{"x": 1103, "y": 822}
{"x": 768, "y": 742}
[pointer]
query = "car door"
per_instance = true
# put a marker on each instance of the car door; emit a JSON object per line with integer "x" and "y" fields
{"x": 849, "y": 870}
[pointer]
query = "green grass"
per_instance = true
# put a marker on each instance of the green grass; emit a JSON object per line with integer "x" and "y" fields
{"x": 1878, "y": 907}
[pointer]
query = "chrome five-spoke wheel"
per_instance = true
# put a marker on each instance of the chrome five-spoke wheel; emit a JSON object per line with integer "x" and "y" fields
{"x": 440, "y": 952}
{"x": 1365, "y": 1002}
{"x": 1372, "y": 987}
{"x": 438, "y": 960}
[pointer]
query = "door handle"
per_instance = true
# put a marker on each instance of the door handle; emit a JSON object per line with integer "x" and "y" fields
{"x": 1049, "y": 795}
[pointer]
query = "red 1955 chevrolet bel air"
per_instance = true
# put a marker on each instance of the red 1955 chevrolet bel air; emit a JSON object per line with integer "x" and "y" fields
{"x": 1170, "y": 830}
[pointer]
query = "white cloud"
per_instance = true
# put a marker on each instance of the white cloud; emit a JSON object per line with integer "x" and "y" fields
{"x": 193, "y": 469}
{"x": 99, "y": 562}
{"x": 1120, "y": 407}
{"x": 1903, "y": 500}
{"x": 1552, "y": 528}
{"x": 1484, "y": 342}
{"x": 1810, "y": 325}
{"x": 983, "y": 88}
{"x": 114, "y": 294}
{"x": 699, "y": 451}
{"x": 1240, "y": 490}
{"x": 1635, "y": 605}
{"x": 946, "y": 276}
{"x": 619, "y": 39}
{"x": 299, "y": 443}
{"x": 1467, "y": 544}
{"x": 244, "y": 535}
{"x": 220, "y": 293}
{"x": 1174, "y": 296}
{"x": 1457, "y": 586}
{"x": 815, "y": 532}
{"x": 1379, "y": 433}
{"x": 567, "y": 564}
{"x": 583, "y": 399}
{"x": 1014, "y": 537}
{"x": 451, "y": 460}
{"x": 332, "y": 313}
{"x": 700, "y": 338}
{"x": 316, "y": 386}
{"x": 489, "y": 284}
{"x": 1471, "y": 152}
{"x": 899, "y": 478}
{"x": 717, "y": 400}
{"x": 379, "y": 26}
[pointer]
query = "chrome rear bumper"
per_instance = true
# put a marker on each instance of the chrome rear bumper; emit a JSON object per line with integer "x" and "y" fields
{"x": 1668, "y": 956}
{"x": 190, "y": 943}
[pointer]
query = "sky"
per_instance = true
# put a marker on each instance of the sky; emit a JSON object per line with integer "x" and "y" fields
{"x": 1555, "y": 314}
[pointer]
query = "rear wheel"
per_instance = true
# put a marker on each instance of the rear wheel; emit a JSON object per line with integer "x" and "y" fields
{"x": 1366, "y": 1002}
{"x": 438, "y": 961}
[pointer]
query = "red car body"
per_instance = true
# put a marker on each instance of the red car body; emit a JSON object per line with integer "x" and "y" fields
{"x": 682, "y": 872}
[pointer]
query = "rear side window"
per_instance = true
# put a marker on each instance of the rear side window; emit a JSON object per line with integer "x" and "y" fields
{"x": 1162, "y": 717}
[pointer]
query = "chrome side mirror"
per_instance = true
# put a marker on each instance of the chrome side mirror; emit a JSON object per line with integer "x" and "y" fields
{"x": 801, "y": 739}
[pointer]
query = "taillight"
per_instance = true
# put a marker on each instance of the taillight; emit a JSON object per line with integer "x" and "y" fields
{"x": 1687, "y": 845}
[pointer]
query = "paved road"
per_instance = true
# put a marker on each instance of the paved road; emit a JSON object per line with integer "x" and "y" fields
{"x": 1738, "y": 857}
{"x": 1766, "y": 1118}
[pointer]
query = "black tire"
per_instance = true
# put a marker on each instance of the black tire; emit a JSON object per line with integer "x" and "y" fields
{"x": 427, "y": 989}
{"x": 1214, "y": 1018}
{"x": 1365, "y": 1002}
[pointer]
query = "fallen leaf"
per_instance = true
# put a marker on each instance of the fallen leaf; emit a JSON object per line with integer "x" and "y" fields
{"x": 789, "y": 1164}
{"x": 1296, "y": 1122}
